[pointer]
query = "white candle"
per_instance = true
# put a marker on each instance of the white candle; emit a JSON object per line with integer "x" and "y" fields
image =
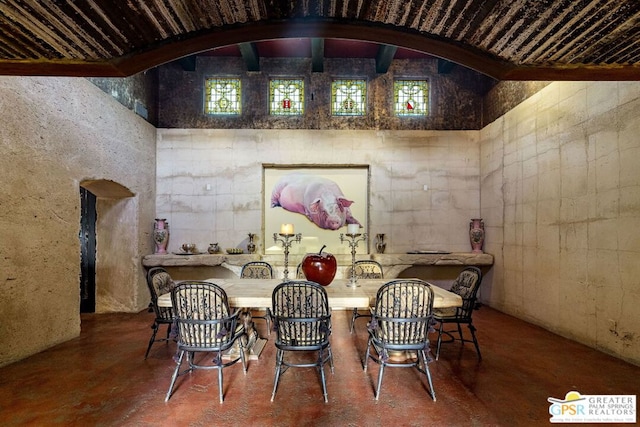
{"x": 286, "y": 229}
{"x": 353, "y": 228}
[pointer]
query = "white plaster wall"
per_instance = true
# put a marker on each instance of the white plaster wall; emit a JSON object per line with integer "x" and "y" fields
{"x": 55, "y": 133}
{"x": 560, "y": 193}
{"x": 119, "y": 286}
{"x": 401, "y": 163}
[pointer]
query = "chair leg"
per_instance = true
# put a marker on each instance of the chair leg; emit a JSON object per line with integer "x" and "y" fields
{"x": 220, "y": 382}
{"x": 175, "y": 375}
{"x": 365, "y": 362}
{"x": 242, "y": 357}
{"x": 422, "y": 355}
{"x": 353, "y": 318}
{"x": 153, "y": 338}
{"x": 439, "y": 340}
{"x": 475, "y": 340}
{"x": 322, "y": 377}
{"x": 380, "y": 373}
{"x": 330, "y": 358}
{"x": 279, "y": 355}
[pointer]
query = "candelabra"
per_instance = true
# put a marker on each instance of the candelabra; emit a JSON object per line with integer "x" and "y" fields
{"x": 286, "y": 240}
{"x": 353, "y": 240}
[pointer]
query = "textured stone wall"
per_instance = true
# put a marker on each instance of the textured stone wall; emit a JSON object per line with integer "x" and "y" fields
{"x": 139, "y": 93}
{"x": 561, "y": 199}
{"x": 455, "y": 98}
{"x": 55, "y": 134}
{"x": 504, "y": 96}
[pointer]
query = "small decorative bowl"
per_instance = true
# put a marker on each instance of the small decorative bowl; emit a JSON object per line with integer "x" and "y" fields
{"x": 234, "y": 251}
{"x": 189, "y": 247}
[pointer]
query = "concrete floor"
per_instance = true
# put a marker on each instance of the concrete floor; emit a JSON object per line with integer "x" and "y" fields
{"x": 102, "y": 379}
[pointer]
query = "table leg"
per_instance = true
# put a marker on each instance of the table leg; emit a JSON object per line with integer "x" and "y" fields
{"x": 252, "y": 343}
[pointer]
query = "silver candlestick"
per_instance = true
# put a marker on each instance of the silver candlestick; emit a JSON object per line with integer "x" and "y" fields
{"x": 353, "y": 240}
{"x": 286, "y": 240}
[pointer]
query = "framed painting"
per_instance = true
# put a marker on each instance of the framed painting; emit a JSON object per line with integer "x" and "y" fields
{"x": 317, "y": 201}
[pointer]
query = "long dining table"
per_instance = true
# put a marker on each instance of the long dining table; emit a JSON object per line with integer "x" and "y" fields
{"x": 257, "y": 293}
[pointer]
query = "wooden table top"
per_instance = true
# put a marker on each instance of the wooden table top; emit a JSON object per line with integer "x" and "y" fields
{"x": 257, "y": 293}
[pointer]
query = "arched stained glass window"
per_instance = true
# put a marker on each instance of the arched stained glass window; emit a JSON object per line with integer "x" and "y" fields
{"x": 411, "y": 97}
{"x": 223, "y": 96}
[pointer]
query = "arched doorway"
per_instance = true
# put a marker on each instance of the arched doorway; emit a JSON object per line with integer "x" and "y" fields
{"x": 87, "y": 251}
{"x": 105, "y": 209}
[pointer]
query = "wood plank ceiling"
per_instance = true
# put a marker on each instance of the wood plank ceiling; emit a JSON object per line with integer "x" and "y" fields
{"x": 503, "y": 39}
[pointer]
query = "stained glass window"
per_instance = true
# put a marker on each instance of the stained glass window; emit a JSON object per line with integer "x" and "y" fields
{"x": 286, "y": 97}
{"x": 411, "y": 97}
{"x": 223, "y": 96}
{"x": 348, "y": 97}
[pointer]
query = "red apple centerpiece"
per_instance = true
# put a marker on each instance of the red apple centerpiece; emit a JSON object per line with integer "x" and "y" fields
{"x": 320, "y": 268}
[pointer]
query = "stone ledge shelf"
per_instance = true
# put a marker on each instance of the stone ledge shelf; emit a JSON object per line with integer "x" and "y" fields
{"x": 201, "y": 260}
{"x": 393, "y": 264}
{"x": 454, "y": 258}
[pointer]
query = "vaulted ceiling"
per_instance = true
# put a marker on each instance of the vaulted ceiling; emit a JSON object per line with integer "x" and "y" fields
{"x": 503, "y": 39}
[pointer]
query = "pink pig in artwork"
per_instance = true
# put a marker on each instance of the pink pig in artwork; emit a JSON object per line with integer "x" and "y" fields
{"x": 318, "y": 198}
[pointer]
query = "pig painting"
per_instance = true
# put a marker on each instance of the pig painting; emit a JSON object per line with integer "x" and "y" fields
{"x": 316, "y": 197}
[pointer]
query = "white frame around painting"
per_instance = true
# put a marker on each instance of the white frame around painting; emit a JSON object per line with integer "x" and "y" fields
{"x": 352, "y": 180}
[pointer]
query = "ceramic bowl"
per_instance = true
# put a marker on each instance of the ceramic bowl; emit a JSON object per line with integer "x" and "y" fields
{"x": 189, "y": 247}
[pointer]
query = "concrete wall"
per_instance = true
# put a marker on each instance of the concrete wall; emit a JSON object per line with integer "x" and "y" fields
{"x": 56, "y": 133}
{"x": 560, "y": 194}
{"x": 401, "y": 164}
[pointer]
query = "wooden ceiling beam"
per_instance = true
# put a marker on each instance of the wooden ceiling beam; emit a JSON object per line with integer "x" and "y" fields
{"x": 444, "y": 66}
{"x": 384, "y": 57}
{"x": 317, "y": 55}
{"x": 188, "y": 63}
{"x": 249, "y": 53}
